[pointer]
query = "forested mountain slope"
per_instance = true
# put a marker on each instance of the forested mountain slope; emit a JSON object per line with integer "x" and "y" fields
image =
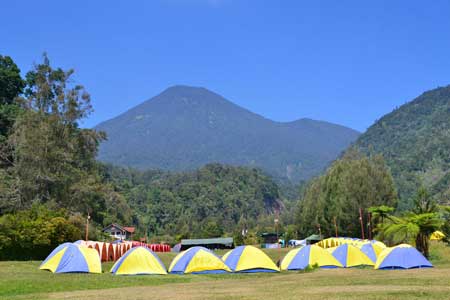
{"x": 184, "y": 128}
{"x": 415, "y": 141}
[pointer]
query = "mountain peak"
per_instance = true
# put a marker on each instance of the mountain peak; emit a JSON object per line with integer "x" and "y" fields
{"x": 186, "y": 90}
{"x": 186, "y": 127}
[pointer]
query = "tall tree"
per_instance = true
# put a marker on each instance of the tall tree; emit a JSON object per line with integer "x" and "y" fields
{"x": 11, "y": 86}
{"x": 52, "y": 158}
{"x": 351, "y": 183}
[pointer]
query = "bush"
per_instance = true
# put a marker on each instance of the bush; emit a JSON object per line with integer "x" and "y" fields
{"x": 32, "y": 234}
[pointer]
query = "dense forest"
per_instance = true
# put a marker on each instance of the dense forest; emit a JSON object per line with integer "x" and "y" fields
{"x": 414, "y": 139}
{"x": 211, "y": 201}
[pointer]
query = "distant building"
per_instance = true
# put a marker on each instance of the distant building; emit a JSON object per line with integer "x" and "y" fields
{"x": 119, "y": 232}
{"x": 269, "y": 238}
{"x": 216, "y": 243}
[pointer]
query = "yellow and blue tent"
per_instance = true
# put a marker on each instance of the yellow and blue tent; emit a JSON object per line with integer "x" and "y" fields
{"x": 437, "y": 236}
{"x": 139, "y": 261}
{"x": 330, "y": 250}
{"x": 351, "y": 256}
{"x": 71, "y": 258}
{"x": 197, "y": 260}
{"x": 372, "y": 250}
{"x": 249, "y": 259}
{"x": 402, "y": 256}
{"x": 301, "y": 258}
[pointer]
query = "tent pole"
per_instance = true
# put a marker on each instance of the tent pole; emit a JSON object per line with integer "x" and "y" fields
{"x": 335, "y": 226}
{"x": 361, "y": 221}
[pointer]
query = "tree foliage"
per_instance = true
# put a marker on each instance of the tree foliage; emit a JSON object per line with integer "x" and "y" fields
{"x": 33, "y": 233}
{"x": 351, "y": 183}
{"x": 414, "y": 227}
{"x": 11, "y": 83}
{"x": 211, "y": 201}
{"x": 48, "y": 158}
{"x": 11, "y": 86}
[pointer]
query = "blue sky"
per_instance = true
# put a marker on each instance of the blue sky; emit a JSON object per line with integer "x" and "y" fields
{"x": 347, "y": 62}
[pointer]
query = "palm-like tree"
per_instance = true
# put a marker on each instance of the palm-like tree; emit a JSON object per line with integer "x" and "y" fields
{"x": 379, "y": 213}
{"x": 414, "y": 227}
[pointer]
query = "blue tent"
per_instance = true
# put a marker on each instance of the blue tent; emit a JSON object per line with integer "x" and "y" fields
{"x": 249, "y": 259}
{"x": 351, "y": 256}
{"x": 70, "y": 258}
{"x": 402, "y": 257}
{"x": 369, "y": 250}
{"x": 301, "y": 258}
{"x": 198, "y": 260}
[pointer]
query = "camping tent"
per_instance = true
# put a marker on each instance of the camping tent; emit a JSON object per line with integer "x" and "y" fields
{"x": 334, "y": 242}
{"x": 351, "y": 256}
{"x": 372, "y": 250}
{"x": 401, "y": 257}
{"x": 249, "y": 259}
{"x": 139, "y": 260}
{"x": 197, "y": 260}
{"x": 68, "y": 258}
{"x": 301, "y": 258}
{"x": 437, "y": 236}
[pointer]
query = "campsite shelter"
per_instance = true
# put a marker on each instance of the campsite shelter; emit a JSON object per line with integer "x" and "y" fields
{"x": 372, "y": 250}
{"x": 313, "y": 239}
{"x": 72, "y": 258}
{"x": 301, "y": 258}
{"x": 215, "y": 243}
{"x": 249, "y": 259}
{"x": 139, "y": 260}
{"x": 402, "y": 256}
{"x": 351, "y": 256}
{"x": 197, "y": 260}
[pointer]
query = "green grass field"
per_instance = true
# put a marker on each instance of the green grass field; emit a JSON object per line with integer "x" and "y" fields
{"x": 23, "y": 280}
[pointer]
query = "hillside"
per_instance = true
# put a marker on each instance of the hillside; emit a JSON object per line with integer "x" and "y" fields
{"x": 415, "y": 141}
{"x": 207, "y": 202}
{"x": 184, "y": 128}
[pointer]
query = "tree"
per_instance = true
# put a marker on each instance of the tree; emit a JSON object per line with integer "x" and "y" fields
{"x": 52, "y": 160}
{"x": 351, "y": 183}
{"x": 423, "y": 202}
{"x": 49, "y": 153}
{"x": 413, "y": 227}
{"x": 11, "y": 83}
{"x": 11, "y": 86}
{"x": 380, "y": 213}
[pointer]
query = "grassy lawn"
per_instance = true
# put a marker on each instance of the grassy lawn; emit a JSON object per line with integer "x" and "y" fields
{"x": 23, "y": 280}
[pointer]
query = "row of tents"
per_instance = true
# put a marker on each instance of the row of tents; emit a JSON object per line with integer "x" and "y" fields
{"x": 70, "y": 257}
{"x": 113, "y": 251}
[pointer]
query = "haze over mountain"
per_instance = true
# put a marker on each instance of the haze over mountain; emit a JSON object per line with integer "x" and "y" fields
{"x": 415, "y": 141}
{"x": 185, "y": 127}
